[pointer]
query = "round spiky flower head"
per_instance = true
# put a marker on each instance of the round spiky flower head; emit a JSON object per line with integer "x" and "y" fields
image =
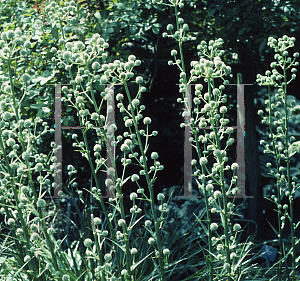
{"x": 134, "y": 177}
{"x": 160, "y": 196}
{"x": 133, "y": 196}
{"x": 237, "y": 227}
{"x": 166, "y": 252}
{"x": 11, "y": 222}
{"x": 121, "y": 222}
{"x": 41, "y": 203}
{"x": 95, "y": 65}
{"x": 10, "y": 34}
{"x": 139, "y": 80}
{"x": 147, "y": 120}
{"x": 133, "y": 251}
{"x": 108, "y": 257}
{"x": 213, "y": 226}
{"x": 6, "y": 116}
{"x": 151, "y": 241}
{"x": 88, "y": 242}
{"x": 154, "y": 155}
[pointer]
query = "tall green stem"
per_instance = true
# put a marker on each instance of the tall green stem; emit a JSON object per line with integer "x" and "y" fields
{"x": 279, "y": 267}
{"x": 287, "y": 157}
{"x": 150, "y": 187}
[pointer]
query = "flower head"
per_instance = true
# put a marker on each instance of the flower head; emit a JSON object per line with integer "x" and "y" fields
{"x": 135, "y": 177}
{"x": 217, "y": 194}
{"x": 95, "y": 65}
{"x": 160, "y": 196}
{"x": 151, "y": 241}
{"x": 170, "y": 27}
{"x": 213, "y": 226}
{"x": 133, "y": 251}
{"x": 121, "y": 222}
{"x": 11, "y": 222}
{"x": 133, "y": 196}
{"x": 237, "y": 227}
{"x": 108, "y": 257}
{"x": 147, "y": 120}
{"x": 41, "y": 203}
{"x": 139, "y": 80}
{"x": 203, "y": 161}
{"x": 88, "y": 242}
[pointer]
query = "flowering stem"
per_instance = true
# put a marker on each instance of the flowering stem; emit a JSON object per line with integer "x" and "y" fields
{"x": 24, "y": 226}
{"x": 224, "y": 213}
{"x": 209, "y": 260}
{"x": 150, "y": 187}
{"x": 287, "y": 157}
{"x": 112, "y": 231}
{"x": 279, "y": 267}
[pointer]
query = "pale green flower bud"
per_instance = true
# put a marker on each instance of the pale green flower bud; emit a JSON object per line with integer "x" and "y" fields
{"x": 166, "y": 252}
{"x": 103, "y": 79}
{"x": 10, "y": 34}
{"x": 131, "y": 58}
{"x": 151, "y": 241}
{"x": 27, "y": 44}
{"x": 4, "y": 36}
{"x": 170, "y": 27}
{"x": 226, "y": 266}
{"x": 67, "y": 55}
{"x": 97, "y": 147}
{"x": 134, "y": 177}
{"x": 6, "y": 116}
{"x": 97, "y": 221}
{"x": 237, "y": 227}
{"x": 7, "y": 89}
{"x": 173, "y": 53}
{"x": 133, "y": 251}
{"x": 124, "y": 147}
{"x": 203, "y": 161}
{"x": 133, "y": 196}
{"x": 234, "y": 166}
{"x": 154, "y": 155}
{"x": 213, "y": 226}
{"x": 66, "y": 278}
{"x": 79, "y": 99}
{"x": 96, "y": 65}
{"x": 147, "y": 120}
{"x": 128, "y": 123}
{"x": 160, "y": 196}
{"x": 88, "y": 242}
{"x": 39, "y": 167}
{"x": 41, "y": 203}
{"x": 94, "y": 116}
{"x": 27, "y": 258}
{"x": 25, "y": 155}
{"x": 11, "y": 222}
{"x": 121, "y": 222}
{"x": 61, "y": 41}
{"x": 139, "y": 80}
{"x": 217, "y": 194}
{"x": 108, "y": 257}
{"x": 10, "y": 142}
{"x": 78, "y": 79}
